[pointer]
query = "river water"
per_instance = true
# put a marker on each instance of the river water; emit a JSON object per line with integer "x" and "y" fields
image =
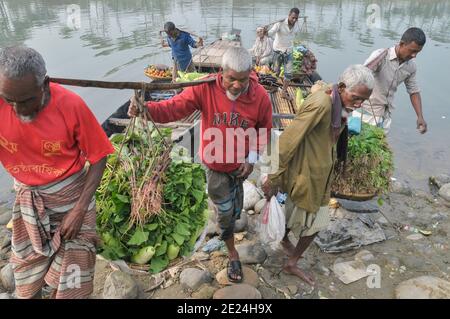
{"x": 114, "y": 40}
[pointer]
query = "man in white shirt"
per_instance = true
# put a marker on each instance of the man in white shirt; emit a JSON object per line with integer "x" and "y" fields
{"x": 391, "y": 67}
{"x": 283, "y": 33}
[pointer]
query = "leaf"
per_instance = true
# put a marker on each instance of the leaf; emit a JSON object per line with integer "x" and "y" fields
{"x": 158, "y": 264}
{"x": 198, "y": 195}
{"x": 178, "y": 239}
{"x": 161, "y": 250}
{"x": 380, "y": 201}
{"x": 182, "y": 229}
{"x": 139, "y": 237}
{"x": 118, "y": 219}
{"x": 117, "y": 138}
{"x": 122, "y": 198}
{"x": 151, "y": 227}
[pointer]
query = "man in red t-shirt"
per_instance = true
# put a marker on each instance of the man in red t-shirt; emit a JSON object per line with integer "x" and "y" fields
{"x": 46, "y": 137}
{"x": 236, "y": 120}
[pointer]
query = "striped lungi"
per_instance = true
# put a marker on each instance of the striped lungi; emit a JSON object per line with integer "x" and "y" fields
{"x": 39, "y": 254}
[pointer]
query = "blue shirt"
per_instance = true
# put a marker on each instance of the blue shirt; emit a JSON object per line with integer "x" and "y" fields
{"x": 180, "y": 49}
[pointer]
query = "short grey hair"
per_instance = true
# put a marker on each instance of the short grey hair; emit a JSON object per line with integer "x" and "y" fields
{"x": 19, "y": 61}
{"x": 237, "y": 59}
{"x": 356, "y": 75}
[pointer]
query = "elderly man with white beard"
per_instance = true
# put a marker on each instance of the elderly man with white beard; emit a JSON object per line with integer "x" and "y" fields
{"x": 236, "y": 120}
{"x": 306, "y": 158}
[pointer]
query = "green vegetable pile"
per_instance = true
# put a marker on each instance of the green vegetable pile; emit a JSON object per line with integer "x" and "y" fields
{"x": 369, "y": 165}
{"x": 298, "y": 60}
{"x": 191, "y": 76}
{"x": 162, "y": 235}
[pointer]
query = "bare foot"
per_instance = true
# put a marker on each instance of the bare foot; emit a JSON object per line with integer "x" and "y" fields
{"x": 294, "y": 270}
{"x": 288, "y": 247}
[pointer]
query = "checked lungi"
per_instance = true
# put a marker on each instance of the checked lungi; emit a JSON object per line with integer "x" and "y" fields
{"x": 227, "y": 193}
{"x": 39, "y": 254}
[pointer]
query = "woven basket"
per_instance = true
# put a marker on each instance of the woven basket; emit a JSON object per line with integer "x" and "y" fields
{"x": 358, "y": 197}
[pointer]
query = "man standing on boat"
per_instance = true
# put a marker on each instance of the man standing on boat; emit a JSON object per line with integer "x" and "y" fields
{"x": 283, "y": 33}
{"x": 306, "y": 158}
{"x": 236, "y": 120}
{"x": 391, "y": 67}
{"x": 180, "y": 41}
{"x": 46, "y": 137}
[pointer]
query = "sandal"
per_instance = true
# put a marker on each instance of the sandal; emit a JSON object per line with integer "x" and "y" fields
{"x": 234, "y": 270}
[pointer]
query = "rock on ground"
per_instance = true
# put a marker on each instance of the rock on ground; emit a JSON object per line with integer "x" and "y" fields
{"x": 5, "y": 296}
{"x": 7, "y": 278}
{"x": 239, "y": 291}
{"x": 424, "y": 287}
{"x": 401, "y": 188}
{"x": 415, "y": 237}
{"x": 120, "y": 285}
{"x": 5, "y": 216}
{"x": 211, "y": 228}
{"x": 444, "y": 192}
{"x": 251, "y": 253}
{"x": 204, "y": 292}
{"x": 440, "y": 180}
{"x": 364, "y": 255}
{"x": 193, "y": 278}
{"x": 241, "y": 223}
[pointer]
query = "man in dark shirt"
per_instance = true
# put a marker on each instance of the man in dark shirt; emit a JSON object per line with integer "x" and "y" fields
{"x": 180, "y": 41}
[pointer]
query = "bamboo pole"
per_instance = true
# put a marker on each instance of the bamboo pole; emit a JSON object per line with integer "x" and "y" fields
{"x": 129, "y": 85}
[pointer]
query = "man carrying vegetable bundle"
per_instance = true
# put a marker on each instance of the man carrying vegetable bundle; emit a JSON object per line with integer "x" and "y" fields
{"x": 47, "y": 136}
{"x": 306, "y": 158}
{"x": 180, "y": 41}
{"x": 283, "y": 33}
{"x": 391, "y": 67}
{"x": 236, "y": 117}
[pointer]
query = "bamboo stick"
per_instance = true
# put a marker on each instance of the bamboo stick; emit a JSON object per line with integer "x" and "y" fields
{"x": 129, "y": 85}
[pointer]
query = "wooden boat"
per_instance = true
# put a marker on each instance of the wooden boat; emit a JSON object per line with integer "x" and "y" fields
{"x": 209, "y": 58}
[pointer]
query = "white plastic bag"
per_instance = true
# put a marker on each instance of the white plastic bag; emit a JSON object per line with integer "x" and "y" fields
{"x": 272, "y": 223}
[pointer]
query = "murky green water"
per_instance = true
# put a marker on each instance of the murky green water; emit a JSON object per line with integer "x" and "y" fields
{"x": 115, "y": 39}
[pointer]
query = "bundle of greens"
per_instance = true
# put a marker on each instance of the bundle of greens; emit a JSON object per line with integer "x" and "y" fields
{"x": 298, "y": 60}
{"x": 151, "y": 209}
{"x": 190, "y": 76}
{"x": 369, "y": 165}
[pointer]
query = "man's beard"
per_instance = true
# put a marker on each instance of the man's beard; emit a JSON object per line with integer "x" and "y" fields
{"x": 231, "y": 96}
{"x": 30, "y": 118}
{"x": 27, "y": 118}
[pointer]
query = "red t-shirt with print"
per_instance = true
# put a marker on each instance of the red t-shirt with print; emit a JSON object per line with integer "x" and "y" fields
{"x": 56, "y": 144}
